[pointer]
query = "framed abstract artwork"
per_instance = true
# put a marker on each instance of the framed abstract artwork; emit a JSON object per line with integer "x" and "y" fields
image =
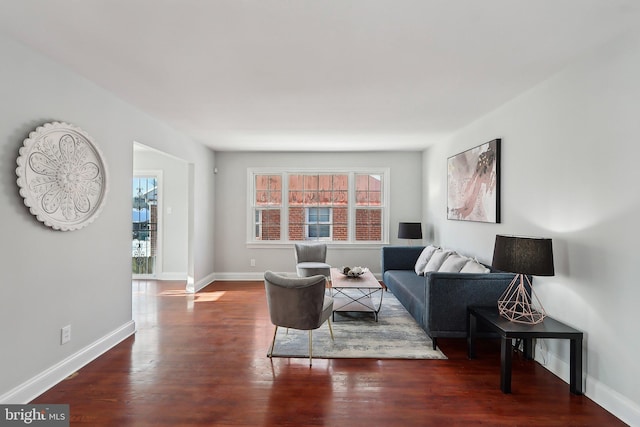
{"x": 473, "y": 184}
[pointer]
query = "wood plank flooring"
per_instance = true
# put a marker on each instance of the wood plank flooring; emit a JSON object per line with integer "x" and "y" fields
{"x": 200, "y": 360}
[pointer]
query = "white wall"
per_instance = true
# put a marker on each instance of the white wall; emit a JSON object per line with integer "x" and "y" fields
{"x": 83, "y": 278}
{"x": 233, "y": 256}
{"x": 569, "y": 172}
{"x": 175, "y": 210}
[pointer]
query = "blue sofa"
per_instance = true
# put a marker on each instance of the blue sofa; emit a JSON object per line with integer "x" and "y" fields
{"x": 438, "y": 301}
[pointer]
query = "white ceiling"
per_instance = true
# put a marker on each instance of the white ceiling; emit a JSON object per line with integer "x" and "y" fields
{"x": 316, "y": 74}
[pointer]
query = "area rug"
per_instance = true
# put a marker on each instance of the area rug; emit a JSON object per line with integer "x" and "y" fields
{"x": 395, "y": 335}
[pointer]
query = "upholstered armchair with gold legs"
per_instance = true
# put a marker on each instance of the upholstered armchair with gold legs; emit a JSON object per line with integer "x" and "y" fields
{"x": 311, "y": 259}
{"x": 297, "y": 303}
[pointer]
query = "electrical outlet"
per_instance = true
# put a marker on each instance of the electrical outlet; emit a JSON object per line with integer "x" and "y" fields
{"x": 253, "y": 262}
{"x": 65, "y": 335}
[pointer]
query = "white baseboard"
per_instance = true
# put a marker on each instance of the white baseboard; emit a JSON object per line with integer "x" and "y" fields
{"x": 256, "y": 276}
{"x": 243, "y": 276}
{"x": 172, "y": 276}
{"x": 161, "y": 276}
{"x": 42, "y": 382}
{"x": 603, "y": 395}
{"x": 204, "y": 282}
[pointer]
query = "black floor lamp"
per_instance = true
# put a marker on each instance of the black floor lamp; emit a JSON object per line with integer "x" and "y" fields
{"x": 524, "y": 256}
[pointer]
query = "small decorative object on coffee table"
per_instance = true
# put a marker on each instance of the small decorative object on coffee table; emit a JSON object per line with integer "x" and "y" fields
{"x": 353, "y": 271}
{"x": 355, "y": 292}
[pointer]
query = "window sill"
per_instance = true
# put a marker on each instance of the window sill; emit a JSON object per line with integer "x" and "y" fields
{"x": 330, "y": 245}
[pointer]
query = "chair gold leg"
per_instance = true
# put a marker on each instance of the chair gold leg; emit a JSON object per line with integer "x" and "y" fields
{"x": 330, "y": 328}
{"x": 310, "y": 348}
{"x": 273, "y": 343}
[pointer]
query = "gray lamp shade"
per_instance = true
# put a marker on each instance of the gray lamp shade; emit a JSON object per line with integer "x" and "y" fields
{"x": 524, "y": 255}
{"x": 409, "y": 230}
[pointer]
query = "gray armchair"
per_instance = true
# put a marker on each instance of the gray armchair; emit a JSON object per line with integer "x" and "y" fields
{"x": 311, "y": 259}
{"x": 297, "y": 303}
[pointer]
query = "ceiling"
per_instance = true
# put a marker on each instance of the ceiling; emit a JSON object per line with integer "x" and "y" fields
{"x": 316, "y": 75}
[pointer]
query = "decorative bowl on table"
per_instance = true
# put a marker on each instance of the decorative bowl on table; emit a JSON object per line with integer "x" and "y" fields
{"x": 353, "y": 271}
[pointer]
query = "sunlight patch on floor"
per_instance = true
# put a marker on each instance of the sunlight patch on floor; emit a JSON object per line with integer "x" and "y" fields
{"x": 209, "y": 296}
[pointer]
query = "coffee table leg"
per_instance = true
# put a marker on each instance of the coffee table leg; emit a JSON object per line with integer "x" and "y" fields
{"x": 380, "y": 304}
{"x": 505, "y": 365}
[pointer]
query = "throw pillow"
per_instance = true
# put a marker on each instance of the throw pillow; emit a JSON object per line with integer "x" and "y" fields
{"x": 424, "y": 258}
{"x": 473, "y": 266}
{"x": 453, "y": 263}
{"x": 438, "y": 257}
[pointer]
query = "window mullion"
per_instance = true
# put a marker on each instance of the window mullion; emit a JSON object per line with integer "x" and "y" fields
{"x": 284, "y": 206}
{"x": 351, "y": 220}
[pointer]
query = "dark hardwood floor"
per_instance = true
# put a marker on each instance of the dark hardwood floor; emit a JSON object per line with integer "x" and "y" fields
{"x": 200, "y": 360}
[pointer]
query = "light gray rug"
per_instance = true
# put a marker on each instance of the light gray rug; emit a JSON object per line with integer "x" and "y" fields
{"x": 357, "y": 335}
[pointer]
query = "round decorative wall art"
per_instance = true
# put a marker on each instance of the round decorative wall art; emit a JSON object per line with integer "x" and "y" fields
{"x": 62, "y": 176}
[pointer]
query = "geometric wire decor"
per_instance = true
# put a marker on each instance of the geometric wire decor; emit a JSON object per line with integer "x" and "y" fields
{"x": 525, "y": 256}
{"x": 62, "y": 176}
{"x": 517, "y": 305}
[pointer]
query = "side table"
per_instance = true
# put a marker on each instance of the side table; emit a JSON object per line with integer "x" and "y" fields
{"x": 549, "y": 328}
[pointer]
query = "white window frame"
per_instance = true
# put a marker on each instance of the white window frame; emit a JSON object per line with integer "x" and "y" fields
{"x": 251, "y": 241}
{"x": 307, "y": 223}
{"x": 257, "y": 226}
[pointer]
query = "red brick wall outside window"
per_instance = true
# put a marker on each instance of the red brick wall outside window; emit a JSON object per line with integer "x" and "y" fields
{"x": 268, "y": 202}
{"x": 317, "y": 191}
{"x": 340, "y": 224}
{"x": 368, "y": 207}
{"x": 320, "y": 191}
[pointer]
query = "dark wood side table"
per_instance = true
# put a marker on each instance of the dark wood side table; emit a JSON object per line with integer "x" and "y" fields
{"x": 549, "y": 328}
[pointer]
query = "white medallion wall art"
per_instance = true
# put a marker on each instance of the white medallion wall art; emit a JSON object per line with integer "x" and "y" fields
{"x": 62, "y": 176}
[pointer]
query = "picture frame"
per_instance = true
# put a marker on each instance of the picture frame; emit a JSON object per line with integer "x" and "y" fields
{"x": 473, "y": 184}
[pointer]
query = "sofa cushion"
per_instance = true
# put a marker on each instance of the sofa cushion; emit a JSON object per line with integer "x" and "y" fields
{"x": 473, "y": 266}
{"x": 409, "y": 289}
{"x": 453, "y": 263}
{"x": 424, "y": 258}
{"x": 438, "y": 257}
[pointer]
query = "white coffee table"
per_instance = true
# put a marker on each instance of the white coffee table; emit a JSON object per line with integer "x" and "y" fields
{"x": 362, "y": 293}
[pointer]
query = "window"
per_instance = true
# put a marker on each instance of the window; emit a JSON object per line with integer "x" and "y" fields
{"x": 368, "y": 207}
{"x": 268, "y": 204}
{"x": 145, "y": 243}
{"x": 289, "y": 206}
{"x": 316, "y": 204}
{"x": 318, "y": 226}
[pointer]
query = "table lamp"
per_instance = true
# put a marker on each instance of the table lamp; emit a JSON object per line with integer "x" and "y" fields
{"x": 525, "y": 256}
{"x": 409, "y": 230}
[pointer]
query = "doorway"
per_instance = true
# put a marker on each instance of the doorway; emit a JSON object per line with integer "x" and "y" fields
{"x": 145, "y": 244}
{"x": 162, "y": 216}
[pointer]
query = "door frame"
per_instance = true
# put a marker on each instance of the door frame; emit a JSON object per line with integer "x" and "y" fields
{"x": 157, "y": 174}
